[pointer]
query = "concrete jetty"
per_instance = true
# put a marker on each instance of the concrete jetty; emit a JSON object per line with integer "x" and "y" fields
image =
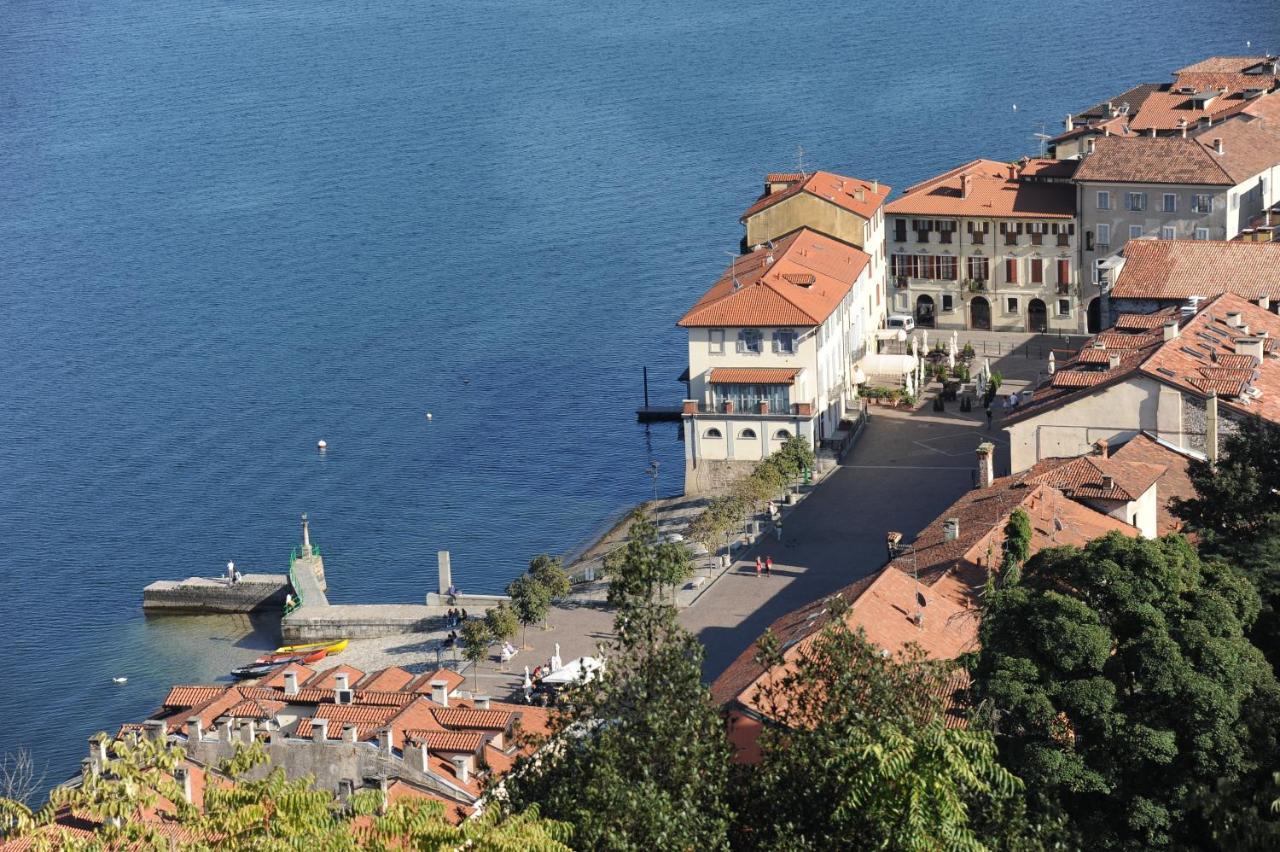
{"x": 193, "y": 595}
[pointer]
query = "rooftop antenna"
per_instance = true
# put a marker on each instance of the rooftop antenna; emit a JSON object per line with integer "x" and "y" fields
{"x": 733, "y": 269}
{"x": 1044, "y": 140}
{"x": 800, "y": 161}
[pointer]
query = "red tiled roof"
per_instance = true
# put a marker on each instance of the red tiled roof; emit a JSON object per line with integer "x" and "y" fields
{"x": 1173, "y": 484}
{"x": 469, "y": 741}
{"x": 753, "y": 376}
{"x": 304, "y": 673}
{"x": 463, "y": 717}
{"x": 367, "y": 719}
{"x": 1178, "y": 269}
{"x": 327, "y": 679}
{"x": 190, "y": 696}
{"x": 1146, "y": 159}
{"x": 857, "y": 196}
{"x": 422, "y": 684}
{"x": 1082, "y": 478}
{"x": 754, "y": 290}
{"x": 252, "y": 708}
{"x": 384, "y": 680}
{"x": 991, "y": 193}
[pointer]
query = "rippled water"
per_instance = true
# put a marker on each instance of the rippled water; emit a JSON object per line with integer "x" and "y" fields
{"x": 229, "y": 229}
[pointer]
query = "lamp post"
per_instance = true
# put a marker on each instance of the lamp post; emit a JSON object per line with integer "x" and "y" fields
{"x": 652, "y": 472}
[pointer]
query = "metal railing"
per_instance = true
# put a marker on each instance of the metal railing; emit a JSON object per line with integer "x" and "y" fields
{"x": 294, "y": 556}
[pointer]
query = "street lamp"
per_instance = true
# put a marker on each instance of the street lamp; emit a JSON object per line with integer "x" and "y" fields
{"x": 652, "y": 472}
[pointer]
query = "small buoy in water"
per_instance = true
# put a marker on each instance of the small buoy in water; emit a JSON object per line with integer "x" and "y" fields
{"x": 119, "y": 680}
{"x": 321, "y": 444}
{"x": 428, "y": 415}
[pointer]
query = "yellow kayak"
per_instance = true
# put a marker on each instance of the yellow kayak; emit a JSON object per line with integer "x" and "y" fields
{"x": 331, "y": 647}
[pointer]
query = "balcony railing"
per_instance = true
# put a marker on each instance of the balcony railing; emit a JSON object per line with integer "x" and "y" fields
{"x": 725, "y": 407}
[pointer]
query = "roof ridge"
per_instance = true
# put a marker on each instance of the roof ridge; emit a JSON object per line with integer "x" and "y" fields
{"x": 945, "y": 175}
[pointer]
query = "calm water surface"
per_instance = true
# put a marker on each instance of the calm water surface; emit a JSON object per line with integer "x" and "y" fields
{"x": 229, "y": 229}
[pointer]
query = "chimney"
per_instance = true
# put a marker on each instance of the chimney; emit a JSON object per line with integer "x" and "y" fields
{"x": 290, "y": 683}
{"x": 384, "y": 785}
{"x": 341, "y": 680}
{"x": 1217, "y": 144}
{"x": 1206, "y": 121}
{"x": 1211, "y": 428}
{"x": 481, "y": 701}
{"x": 1153, "y": 133}
{"x": 346, "y": 788}
{"x": 319, "y": 730}
{"x": 248, "y": 732}
{"x": 97, "y": 752}
{"x": 424, "y": 754}
{"x": 986, "y": 464}
{"x": 155, "y": 730}
{"x": 1182, "y": 127}
{"x": 182, "y": 776}
{"x": 342, "y": 692}
{"x": 951, "y": 529}
{"x": 1264, "y": 302}
{"x": 1235, "y": 319}
{"x": 462, "y": 767}
{"x": 440, "y": 692}
{"x": 1088, "y": 145}
{"x": 1106, "y": 130}
{"x": 1110, "y": 111}
{"x": 387, "y": 739}
{"x": 1108, "y": 482}
{"x": 1251, "y": 346}
{"x": 1170, "y": 330}
{"x": 224, "y": 729}
{"x": 349, "y": 733}
{"x": 859, "y": 194}
{"x": 1113, "y": 361}
{"x": 194, "y": 729}
{"x": 1013, "y": 171}
{"x": 875, "y": 186}
{"x": 768, "y": 258}
{"x": 1102, "y": 448}
{"x": 965, "y": 181}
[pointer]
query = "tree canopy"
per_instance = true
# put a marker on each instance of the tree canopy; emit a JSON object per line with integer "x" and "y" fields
{"x": 1125, "y": 691}
{"x": 861, "y": 749}
{"x": 530, "y": 601}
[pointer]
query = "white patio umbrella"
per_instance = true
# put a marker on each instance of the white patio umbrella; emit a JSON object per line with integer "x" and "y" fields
{"x": 556, "y": 662}
{"x": 951, "y": 354}
{"x": 911, "y": 384}
{"x": 1052, "y": 363}
{"x": 925, "y": 342}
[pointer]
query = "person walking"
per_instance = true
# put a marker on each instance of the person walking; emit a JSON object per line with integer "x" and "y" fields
{"x": 768, "y": 566}
{"x": 759, "y": 566}
{"x": 990, "y": 414}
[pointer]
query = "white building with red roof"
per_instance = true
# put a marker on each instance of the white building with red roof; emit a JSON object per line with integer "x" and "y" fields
{"x": 773, "y": 345}
{"x": 988, "y": 246}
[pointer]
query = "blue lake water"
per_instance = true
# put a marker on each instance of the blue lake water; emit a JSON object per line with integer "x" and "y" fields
{"x": 229, "y": 229}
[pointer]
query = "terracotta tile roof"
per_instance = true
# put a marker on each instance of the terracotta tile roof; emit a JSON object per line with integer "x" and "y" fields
{"x": 991, "y": 193}
{"x": 190, "y": 696}
{"x": 327, "y": 679}
{"x": 753, "y": 376}
{"x": 1178, "y": 269}
{"x": 1144, "y": 159}
{"x": 1249, "y": 146}
{"x": 1221, "y": 64}
{"x": 252, "y": 708}
{"x": 762, "y": 295}
{"x": 463, "y": 717}
{"x": 277, "y": 677}
{"x": 454, "y": 812}
{"x": 1082, "y": 478}
{"x": 857, "y": 196}
{"x": 469, "y": 741}
{"x": 1200, "y": 360}
{"x": 384, "y": 680}
{"x": 422, "y": 684}
{"x": 1173, "y": 484}
{"x": 1134, "y": 98}
{"x": 951, "y": 693}
{"x": 367, "y": 719}
{"x": 1142, "y": 322}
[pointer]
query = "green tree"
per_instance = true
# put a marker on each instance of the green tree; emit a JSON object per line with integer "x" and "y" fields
{"x": 1240, "y": 495}
{"x": 549, "y": 571}
{"x": 1126, "y": 693}
{"x": 265, "y": 810}
{"x": 860, "y": 749}
{"x": 502, "y": 622}
{"x": 529, "y": 601}
{"x": 645, "y": 566}
{"x": 1016, "y": 547}
{"x": 795, "y": 456}
{"x": 638, "y": 759}
{"x": 476, "y": 638}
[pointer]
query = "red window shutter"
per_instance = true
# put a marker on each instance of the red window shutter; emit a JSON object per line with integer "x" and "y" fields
{"x": 1037, "y": 271}
{"x": 1011, "y": 270}
{"x": 1064, "y": 271}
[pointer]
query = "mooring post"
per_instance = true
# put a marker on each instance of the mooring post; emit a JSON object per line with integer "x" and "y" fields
{"x": 646, "y": 386}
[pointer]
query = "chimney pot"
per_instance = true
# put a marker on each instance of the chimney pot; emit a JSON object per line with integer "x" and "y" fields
{"x": 1170, "y": 330}
{"x": 986, "y": 465}
{"x": 1102, "y": 448}
{"x": 951, "y": 529}
{"x": 155, "y": 729}
{"x": 182, "y": 775}
{"x": 1264, "y": 302}
{"x": 1217, "y": 144}
{"x": 1235, "y": 319}
{"x": 875, "y": 186}
{"x": 1113, "y": 362}
{"x": 194, "y": 729}
{"x": 424, "y": 755}
{"x": 341, "y": 680}
{"x": 1013, "y": 171}
{"x": 481, "y": 701}
{"x": 440, "y": 692}
{"x": 1251, "y": 346}
{"x": 462, "y": 766}
{"x": 290, "y": 683}
{"x": 387, "y": 741}
{"x": 349, "y": 733}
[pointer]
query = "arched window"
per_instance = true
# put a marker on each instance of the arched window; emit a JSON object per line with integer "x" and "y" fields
{"x": 781, "y": 435}
{"x": 712, "y": 433}
{"x": 747, "y": 433}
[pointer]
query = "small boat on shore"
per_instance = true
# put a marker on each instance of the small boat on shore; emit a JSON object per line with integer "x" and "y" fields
{"x": 268, "y": 663}
{"x": 329, "y": 647}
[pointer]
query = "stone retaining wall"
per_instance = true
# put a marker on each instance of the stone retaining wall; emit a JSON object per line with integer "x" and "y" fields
{"x": 205, "y": 595}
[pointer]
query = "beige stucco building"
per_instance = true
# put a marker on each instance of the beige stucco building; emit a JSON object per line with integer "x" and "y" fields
{"x": 988, "y": 246}
{"x": 772, "y": 348}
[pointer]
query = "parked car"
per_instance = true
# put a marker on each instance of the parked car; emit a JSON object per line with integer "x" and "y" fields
{"x": 906, "y": 322}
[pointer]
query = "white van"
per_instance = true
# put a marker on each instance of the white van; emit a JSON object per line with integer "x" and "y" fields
{"x": 906, "y": 322}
